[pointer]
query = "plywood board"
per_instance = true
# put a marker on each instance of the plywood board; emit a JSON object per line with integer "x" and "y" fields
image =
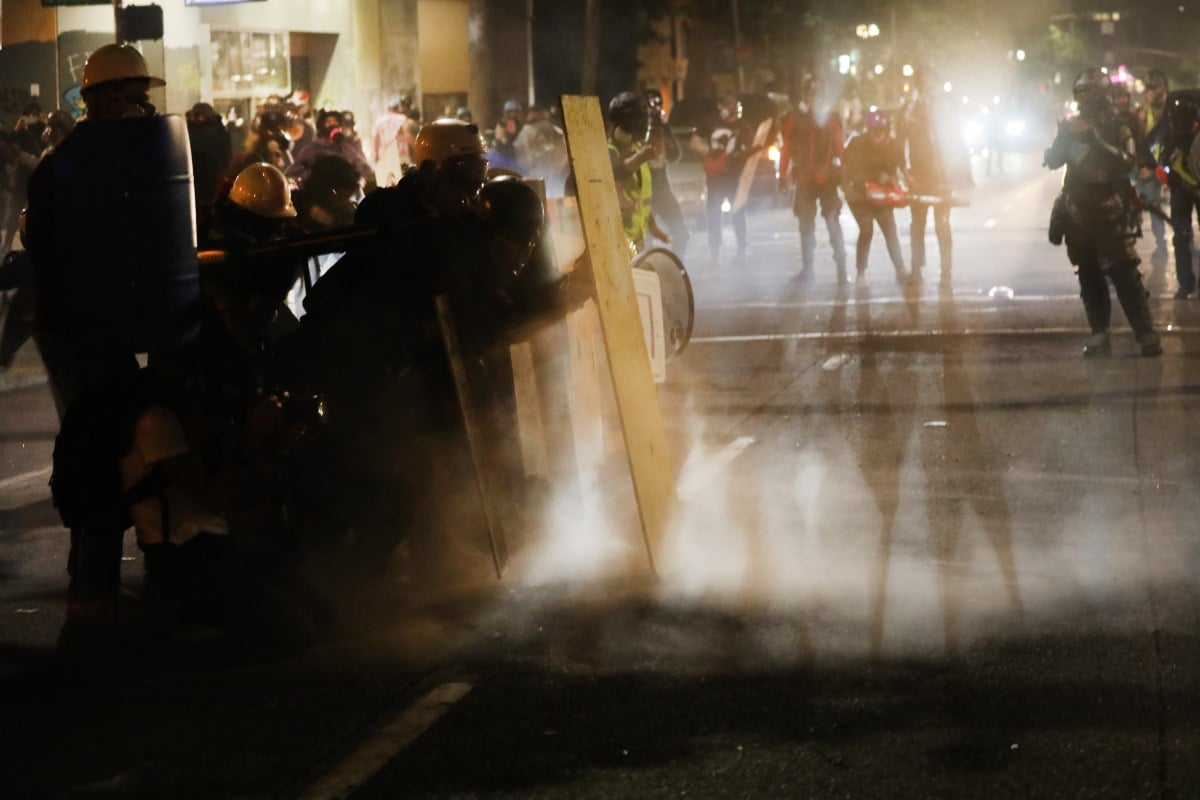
{"x": 620, "y": 320}
{"x": 488, "y": 495}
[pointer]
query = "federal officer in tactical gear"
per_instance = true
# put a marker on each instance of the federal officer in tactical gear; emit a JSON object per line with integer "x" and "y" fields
{"x": 1095, "y": 213}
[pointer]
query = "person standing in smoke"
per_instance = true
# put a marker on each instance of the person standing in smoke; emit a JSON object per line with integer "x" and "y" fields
{"x": 663, "y": 201}
{"x": 939, "y": 164}
{"x": 1177, "y": 144}
{"x": 392, "y": 138}
{"x": 1094, "y": 213}
{"x": 1150, "y": 114}
{"x": 874, "y": 161}
{"x": 542, "y": 150}
{"x": 503, "y": 152}
{"x": 812, "y": 157}
{"x": 630, "y": 156}
{"x": 728, "y": 144}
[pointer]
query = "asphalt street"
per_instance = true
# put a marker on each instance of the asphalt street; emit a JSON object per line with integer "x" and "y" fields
{"x": 922, "y": 549}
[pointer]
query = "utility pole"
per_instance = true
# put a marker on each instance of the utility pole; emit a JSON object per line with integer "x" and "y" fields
{"x": 117, "y": 21}
{"x": 591, "y": 47}
{"x": 737, "y": 46}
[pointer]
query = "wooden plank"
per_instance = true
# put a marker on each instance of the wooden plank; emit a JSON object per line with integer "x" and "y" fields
{"x": 529, "y": 412}
{"x": 586, "y": 398}
{"x": 620, "y": 320}
{"x": 475, "y": 436}
{"x": 530, "y": 430}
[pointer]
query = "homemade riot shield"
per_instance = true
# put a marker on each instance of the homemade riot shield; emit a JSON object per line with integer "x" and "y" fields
{"x": 126, "y": 278}
{"x": 678, "y": 301}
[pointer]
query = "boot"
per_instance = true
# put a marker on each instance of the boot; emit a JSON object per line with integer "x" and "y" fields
{"x": 1098, "y": 345}
{"x": 1150, "y": 343}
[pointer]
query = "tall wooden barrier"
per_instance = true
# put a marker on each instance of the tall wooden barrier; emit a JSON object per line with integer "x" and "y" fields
{"x": 605, "y": 331}
{"x": 620, "y": 321}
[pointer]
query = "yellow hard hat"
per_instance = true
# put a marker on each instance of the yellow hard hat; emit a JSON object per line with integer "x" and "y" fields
{"x": 263, "y": 190}
{"x": 116, "y": 62}
{"x": 447, "y": 138}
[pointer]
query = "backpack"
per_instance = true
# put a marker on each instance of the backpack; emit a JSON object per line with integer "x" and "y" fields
{"x": 96, "y": 432}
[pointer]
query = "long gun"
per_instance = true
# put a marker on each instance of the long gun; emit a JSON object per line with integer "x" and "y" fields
{"x": 334, "y": 241}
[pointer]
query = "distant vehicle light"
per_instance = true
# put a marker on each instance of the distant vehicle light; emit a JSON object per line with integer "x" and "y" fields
{"x": 1014, "y": 127}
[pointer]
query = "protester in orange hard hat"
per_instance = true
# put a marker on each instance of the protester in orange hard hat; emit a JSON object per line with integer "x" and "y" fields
{"x": 117, "y": 83}
{"x": 249, "y": 292}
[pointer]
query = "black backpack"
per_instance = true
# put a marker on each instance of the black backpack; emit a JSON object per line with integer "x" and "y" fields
{"x": 96, "y": 433}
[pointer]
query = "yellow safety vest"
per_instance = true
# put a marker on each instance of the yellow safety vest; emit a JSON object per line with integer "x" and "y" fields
{"x": 635, "y": 191}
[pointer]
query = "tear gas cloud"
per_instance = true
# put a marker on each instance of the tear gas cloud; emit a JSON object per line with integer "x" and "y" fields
{"x": 809, "y": 553}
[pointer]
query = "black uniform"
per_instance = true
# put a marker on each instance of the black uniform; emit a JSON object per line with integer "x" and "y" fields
{"x": 1095, "y": 216}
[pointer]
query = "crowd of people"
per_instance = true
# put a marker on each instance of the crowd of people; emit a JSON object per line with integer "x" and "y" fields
{"x": 235, "y": 438}
{"x": 248, "y": 432}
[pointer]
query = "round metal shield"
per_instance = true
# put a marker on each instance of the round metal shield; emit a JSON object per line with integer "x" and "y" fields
{"x": 678, "y": 302}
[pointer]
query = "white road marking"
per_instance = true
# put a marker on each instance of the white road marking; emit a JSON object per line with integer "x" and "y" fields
{"x": 353, "y": 773}
{"x": 26, "y": 479}
{"x": 965, "y": 302}
{"x": 21, "y": 490}
{"x": 893, "y": 334}
{"x": 693, "y": 481}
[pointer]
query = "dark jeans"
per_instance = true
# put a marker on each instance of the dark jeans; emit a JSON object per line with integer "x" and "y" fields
{"x": 94, "y": 570}
{"x": 1183, "y": 207}
{"x": 720, "y": 190}
{"x": 868, "y": 215}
